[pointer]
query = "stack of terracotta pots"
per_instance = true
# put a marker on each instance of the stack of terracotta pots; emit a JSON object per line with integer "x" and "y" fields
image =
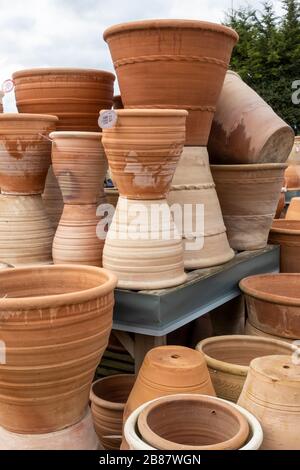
{"x": 249, "y": 145}
{"x": 55, "y": 323}
{"x": 26, "y": 233}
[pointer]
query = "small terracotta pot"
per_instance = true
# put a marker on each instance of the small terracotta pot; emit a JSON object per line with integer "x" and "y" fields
{"x": 292, "y": 177}
{"x": 228, "y": 359}
{"x": 252, "y": 331}
{"x": 281, "y": 205}
{"x": 74, "y": 95}
{"x": 173, "y": 64}
{"x": 248, "y": 195}
{"x": 246, "y": 129}
{"x": 79, "y": 164}
{"x": 53, "y": 199}
{"x": 55, "y": 322}
{"x": 80, "y": 436}
{"x": 25, "y": 152}
{"x": 272, "y": 394}
{"x": 117, "y": 102}
{"x": 167, "y": 370}
{"x": 273, "y": 303}
{"x": 293, "y": 212}
{"x": 143, "y": 149}
{"x": 108, "y": 398}
{"x": 286, "y": 233}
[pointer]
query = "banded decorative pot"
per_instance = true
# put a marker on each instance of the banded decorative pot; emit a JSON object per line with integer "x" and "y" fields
{"x": 286, "y": 233}
{"x": 53, "y": 199}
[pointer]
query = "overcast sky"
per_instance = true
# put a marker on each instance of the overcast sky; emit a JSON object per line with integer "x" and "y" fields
{"x": 68, "y": 33}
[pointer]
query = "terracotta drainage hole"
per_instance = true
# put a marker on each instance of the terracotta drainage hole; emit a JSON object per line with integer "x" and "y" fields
{"x": 175, "y": 356}
{"x": 286, "y": 367}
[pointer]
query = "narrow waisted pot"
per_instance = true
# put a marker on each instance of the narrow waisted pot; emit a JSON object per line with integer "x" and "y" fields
{"x": 55, "y": 322}
{"x": 273, "y": 303}
{"x": 246, "y": 129}
{"x": 25, "y": 152}
{"x": 252, "y": 331}
{"x": 293, "y": 212}
{"x": 53, "y": 199}
{"x": 79, "y": 238}
{"x": 248, "y": 195}
{"x": 286, "y": 233}
{"x": 173, "y": 64}
{"x": 108, "y": 398}
{"x": 272, "y": 394}
{"x": 143, "y": 149}
{"x": 26, "y": 233}
{"x": 228, "y": 359}
{"x": 80, "y": 436}
{"x": 80, "y": 165}
{"x": 74, "y": 95}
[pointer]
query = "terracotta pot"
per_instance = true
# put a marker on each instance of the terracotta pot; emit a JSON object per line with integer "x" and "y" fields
{"x": 74, "y": 95}
{"x": 55, "y": 322}
{"x": 80, "y": 165}
{"x": 76, "y": 240}
{"x": 108, "y": 397}
{"x": 248, "y": 195}
{"x": 112, "y": 196}
{"x": 117, "y": 102}
{"x": 193, "y": 189}
{"x": 142, "y": 250}
{"x": 286, "y": 233}
{"x": 294, "y": 157}
{"x": 52, "y": 198}
{"x": 292, "y": 178}
{"x": 143, "y": 149}
{"x": 26, "y": 233}
{"x": 80, "y": 436}
{"x": 293, "y": 212}
{"x": 228, "y": 359}
{"x": 246, "y": 129}
{"x": 273, "y": 303}
{"x": 280, "y": 205}
{"x": 272, "y": 394}
{"x": 173, "y": 64}
{"x": 25, "y": 152}
{"x": 252, "y": 331}
{"x": 137, "y": 443}
{"x": 167, "y": 370}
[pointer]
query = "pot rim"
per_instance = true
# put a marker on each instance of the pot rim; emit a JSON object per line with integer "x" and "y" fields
{"x": 147, "y": 112}
{"x": 287, "y": 231}
{"x": 250, "y": 166}
{"x": 105, "y": 403}
{"x": 27, "y": 117}
{"x": 235, "y": 369}
{"x": 60, "y": 70}
{"x": 57, "y": 300}
{"x": 167, "y": 24}
{"x": 77, "y": 134}
{"x": 267, "y": 297}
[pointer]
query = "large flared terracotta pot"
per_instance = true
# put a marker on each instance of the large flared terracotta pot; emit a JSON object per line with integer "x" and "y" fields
{"x": 292, "y": 177}
{"x": 204, "y": 232}
{"x": 245, "y": 128}
{"x": 173, "y": 64}
{"x": 80, "y": 436}
{"x": 55, "y": 323}
{"x": 76, "y": 240}
{"x": 108, "y": 398}
{"x": 228, "y": 359}
{"x": 252, "y": 331}
{"x": 199, "y": 427}
{"x": 25, "y": 152}
{"x": 167, "y": 370}
{"x": 74, "y": 95}
{"x": 80, "y": 165}
{"x": 272, "y": 393}
{"x": 286, "y": 233}
{"x": 248, "y": 195}
{"x": 273, "y": 303}
{"x": 26, "y": 233}
{"x": 293, "y": 212}
{"x": 53, "y": 199}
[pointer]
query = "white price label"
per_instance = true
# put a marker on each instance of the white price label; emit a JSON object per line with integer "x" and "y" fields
{"x": 297, "y": 149}
{"x": 107, "y": 119}
{"x": 8, "y": 86}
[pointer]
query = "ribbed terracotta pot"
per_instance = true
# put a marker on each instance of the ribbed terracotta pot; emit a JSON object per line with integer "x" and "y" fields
{"x": 167, "y": 370}
{"x": 26, "y": 233}
{"x": 228, "y": 359}
{"x": 108, "y": 398}
{"x": 248, "y": 195}
{"x": 280, "y": 205}
{"x": 293, "y": 212}
{"x": 292, "y": 177}
{"x": 53, "y": 199}
{"x": 246, "y": 129}
{"x": 252, "y": 331}
{"x": 80, "y": 436}
{"x": 80, "y": 165}
{"x": 272, "y": 394}
{"x": 204, "y": 232}
{"x": 76, "y": 240}
{"x": 55, "y": 322}
{"x": 74, "y": 95}
{"x": 286, "y": 233}
{"x": 273, "y": 303}
{"x": 173, "y": 64}
{"x": 25, "y": 152}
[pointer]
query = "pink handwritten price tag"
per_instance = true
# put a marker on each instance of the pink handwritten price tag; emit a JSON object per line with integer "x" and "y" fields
{"x": 8, "y": 86}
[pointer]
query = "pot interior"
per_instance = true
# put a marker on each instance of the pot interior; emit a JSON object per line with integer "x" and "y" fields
{"x": 278, "y": 285}
{"x": 114, "y": 389}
